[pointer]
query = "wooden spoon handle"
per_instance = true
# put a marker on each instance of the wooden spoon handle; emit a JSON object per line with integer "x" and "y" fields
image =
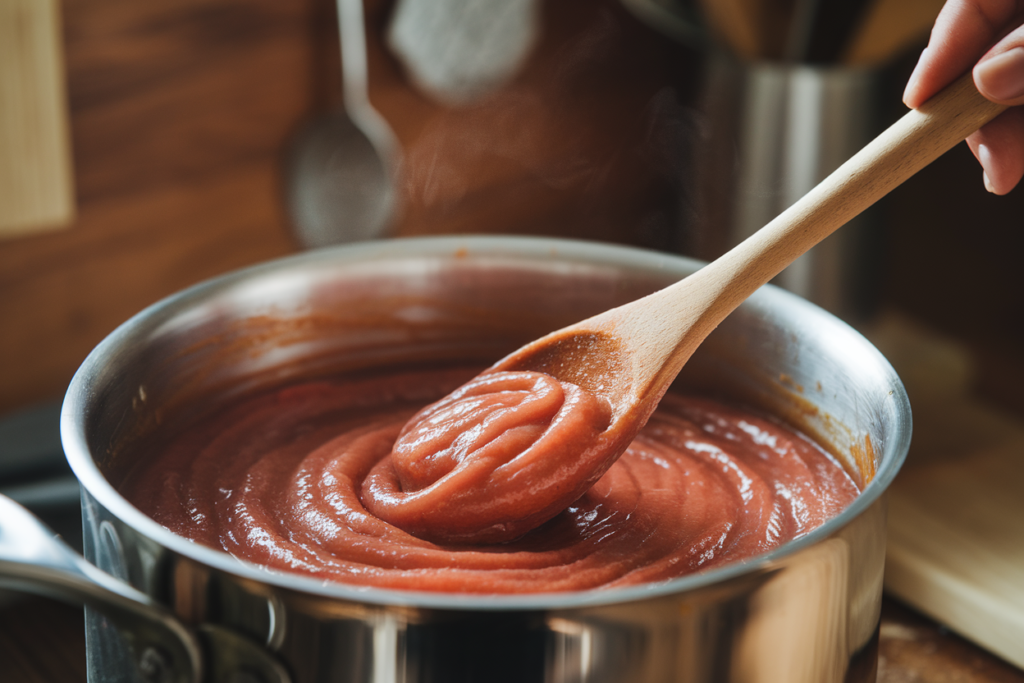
{"x": 681, "y": 316}
{"x": 902, "y": 150}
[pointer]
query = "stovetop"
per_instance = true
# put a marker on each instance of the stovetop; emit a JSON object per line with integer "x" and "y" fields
{"x": 34, "y": 472}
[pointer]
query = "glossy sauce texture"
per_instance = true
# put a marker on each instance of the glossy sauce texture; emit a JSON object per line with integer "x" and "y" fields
{"x": 282, "y": 479}
{"x": 497, "y": 457}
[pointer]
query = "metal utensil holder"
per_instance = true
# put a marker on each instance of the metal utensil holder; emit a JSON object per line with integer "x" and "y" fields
{"x": 772, "y": 131}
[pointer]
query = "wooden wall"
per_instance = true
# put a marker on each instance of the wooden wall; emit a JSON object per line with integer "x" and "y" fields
{"x": 180, "y": 112}
{"x": 181, "y": 116}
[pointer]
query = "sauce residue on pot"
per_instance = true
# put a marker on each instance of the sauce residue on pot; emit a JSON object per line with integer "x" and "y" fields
{"x": 281, "y": 479}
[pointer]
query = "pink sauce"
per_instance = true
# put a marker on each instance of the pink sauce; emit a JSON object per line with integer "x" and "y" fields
{"x": 471, "y": 500}
{"x": 496, "y": 458}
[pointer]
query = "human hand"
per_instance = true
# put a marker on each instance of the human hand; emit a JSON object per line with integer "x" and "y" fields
{"x": 961, "y": 39}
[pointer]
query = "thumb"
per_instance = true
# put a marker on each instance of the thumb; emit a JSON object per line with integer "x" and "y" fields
{"x": 999, "y": 75}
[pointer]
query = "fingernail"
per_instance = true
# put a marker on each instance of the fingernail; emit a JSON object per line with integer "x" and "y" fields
{"x": 914, "y": 75}
{"x": 985, "y": 159}
{"x": 988, "y": 183}
{"x": 1002, "y": 77}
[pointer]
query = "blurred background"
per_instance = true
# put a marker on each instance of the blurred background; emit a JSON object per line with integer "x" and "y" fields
{"x": 145, "y": 147}
{"x": 190, "y": 120}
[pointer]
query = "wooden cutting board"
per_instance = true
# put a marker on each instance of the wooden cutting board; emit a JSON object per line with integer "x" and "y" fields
{"x": 956, "y": 510}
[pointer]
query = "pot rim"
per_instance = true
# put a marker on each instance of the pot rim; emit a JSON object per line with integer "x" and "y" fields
{"x": 82, "y": 385}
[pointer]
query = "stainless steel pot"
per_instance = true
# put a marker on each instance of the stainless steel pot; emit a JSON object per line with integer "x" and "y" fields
{"x": 177, "y": 611}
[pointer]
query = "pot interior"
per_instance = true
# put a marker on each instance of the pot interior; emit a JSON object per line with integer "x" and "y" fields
{"x": 465, "y": 301}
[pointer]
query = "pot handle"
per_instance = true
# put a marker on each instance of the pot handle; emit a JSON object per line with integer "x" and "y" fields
{"x": 34, "y": 560}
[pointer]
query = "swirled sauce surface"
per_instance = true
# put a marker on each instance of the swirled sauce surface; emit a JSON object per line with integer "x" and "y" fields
{"x": 305, "y": 478}
{"x": 497, "y": 457}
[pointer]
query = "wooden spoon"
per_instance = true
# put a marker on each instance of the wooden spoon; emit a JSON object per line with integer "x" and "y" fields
{"x": 446, "y": 485}
{"x": 629, "y": 355}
